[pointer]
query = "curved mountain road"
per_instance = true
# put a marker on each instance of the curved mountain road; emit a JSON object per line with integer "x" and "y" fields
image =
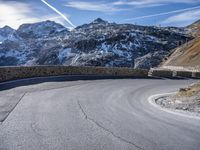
{"x": 100, "y": 115}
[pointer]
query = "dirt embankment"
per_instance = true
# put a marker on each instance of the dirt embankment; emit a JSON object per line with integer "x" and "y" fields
{"x": 187, "y": 99}
{"x": 188, "y": 54}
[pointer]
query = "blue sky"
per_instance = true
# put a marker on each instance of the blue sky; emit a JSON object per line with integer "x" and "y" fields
{"x": 72, "y": 13}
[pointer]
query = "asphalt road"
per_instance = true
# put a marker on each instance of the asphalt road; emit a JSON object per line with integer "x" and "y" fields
{"x": 94, "y": 115}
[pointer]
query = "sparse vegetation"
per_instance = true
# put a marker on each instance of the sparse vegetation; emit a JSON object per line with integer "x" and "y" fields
{"x": 192, "y": 90}
{"x": 188, "y": 54}
{"x": 186, "y": 99}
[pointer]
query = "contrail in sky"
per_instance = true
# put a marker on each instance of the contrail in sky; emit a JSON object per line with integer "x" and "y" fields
{"x": 161, "y": 14}
{"x": 58, "y": 12}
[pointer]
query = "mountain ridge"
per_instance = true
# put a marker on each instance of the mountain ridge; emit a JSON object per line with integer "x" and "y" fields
{"x": 98, "y": 43}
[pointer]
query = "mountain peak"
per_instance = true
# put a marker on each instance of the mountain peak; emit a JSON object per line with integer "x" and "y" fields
{"x": 6, "y": 31}
{"x": 7, "y": 28}
{"x": 99, "y": 20}
{"x": 42, "y": 23}
{"x": 40, "y": 29}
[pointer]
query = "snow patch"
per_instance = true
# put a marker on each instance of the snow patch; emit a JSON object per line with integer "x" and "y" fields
{"x": 65, "y": 54}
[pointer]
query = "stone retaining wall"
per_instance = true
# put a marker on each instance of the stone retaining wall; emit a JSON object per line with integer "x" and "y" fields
{"x": 185, "y": 74}
{"x": 161, "y": 73}
{"x": 157, "y": 72}
{"x": 196, "y": 74}
{"x": 12, "y": 73}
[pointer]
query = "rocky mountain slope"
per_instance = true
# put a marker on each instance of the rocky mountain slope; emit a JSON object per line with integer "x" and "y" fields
{"x": 195, "y": 28}
{"x": 98, "y": 43}
{"x": 187, "y": 55}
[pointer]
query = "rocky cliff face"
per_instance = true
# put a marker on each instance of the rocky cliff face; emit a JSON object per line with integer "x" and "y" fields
{"x": 98, "y": 43}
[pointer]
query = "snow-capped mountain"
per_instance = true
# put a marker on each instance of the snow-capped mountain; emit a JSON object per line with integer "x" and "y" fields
{"x": 5, "y": 32}
{"x": 98, "y": 43}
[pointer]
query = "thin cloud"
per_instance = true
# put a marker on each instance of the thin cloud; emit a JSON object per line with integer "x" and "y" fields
{"x": 12, "y": 14}
{"x": 58, "y": 12}
{"x": 153, "y": 3}
{"x": 93, "y": 6}
{"x": 183, "y": 19}
{"x": 16, "y": 13}
{"x": 162, "y": 14}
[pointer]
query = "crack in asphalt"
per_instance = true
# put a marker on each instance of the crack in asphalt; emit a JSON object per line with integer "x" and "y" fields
{"x": 13, "y": 107}
{"x": 41, "y": 90}
{"x": 104, "y": 128}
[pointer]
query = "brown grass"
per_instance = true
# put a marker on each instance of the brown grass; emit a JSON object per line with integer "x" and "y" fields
{"x": 190, "y": 91}
{"x": 187, "y": 55}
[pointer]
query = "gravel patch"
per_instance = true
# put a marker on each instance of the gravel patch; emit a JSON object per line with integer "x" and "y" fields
{"x": 187, "y": 99}
{"x": 191, "y": 104}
